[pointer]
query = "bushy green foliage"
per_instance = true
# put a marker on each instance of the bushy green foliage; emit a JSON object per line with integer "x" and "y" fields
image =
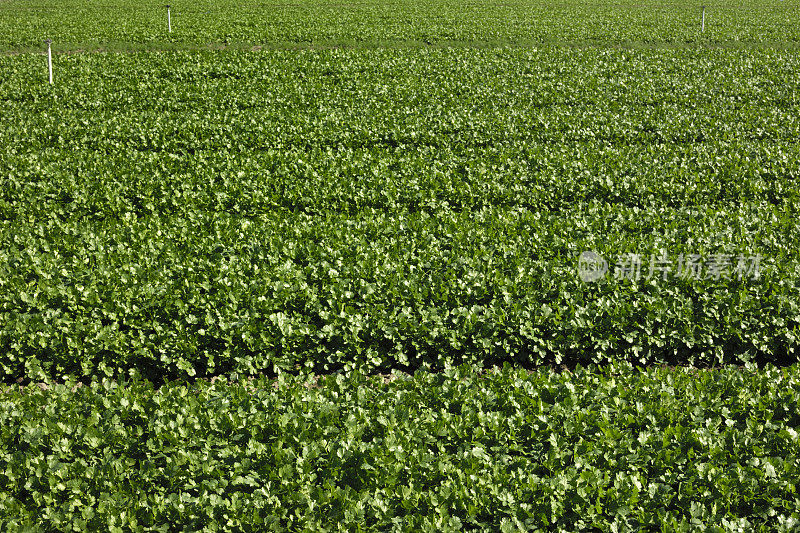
{"x": 79, "y": 24}
{"x": 669, "y": 450}
{"x": 194, "y": 214}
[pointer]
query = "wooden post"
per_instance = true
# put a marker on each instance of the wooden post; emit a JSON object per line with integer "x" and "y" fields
{"x": 49, "y": 61}
{"x": 703, "y": 20}
{"x": 169, "y": 20}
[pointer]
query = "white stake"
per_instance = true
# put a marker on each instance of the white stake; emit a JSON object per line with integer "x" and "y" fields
{"x": 49, "y": 60}
{"x": 169, "y": 20}
{"x": 703, "y": 20}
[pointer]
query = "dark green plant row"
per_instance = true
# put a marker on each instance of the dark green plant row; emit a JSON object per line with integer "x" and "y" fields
{"x": 78, "y": 24}
{"x": 211, "y": 293}
{"x": 608, "y": 448}
{"x": 195, "y": 214}
{"x": 156, "y": 134}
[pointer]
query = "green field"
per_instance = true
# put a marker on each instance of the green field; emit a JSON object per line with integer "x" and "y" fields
{"x": 279, "y": 191}
{"x": 204, "y": 212}
{"x": 120, "y": 24}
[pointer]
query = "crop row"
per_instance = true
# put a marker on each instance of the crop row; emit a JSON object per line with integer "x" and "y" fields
{"x": 506, "y": 450}
{"x": 76, "y": 24}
